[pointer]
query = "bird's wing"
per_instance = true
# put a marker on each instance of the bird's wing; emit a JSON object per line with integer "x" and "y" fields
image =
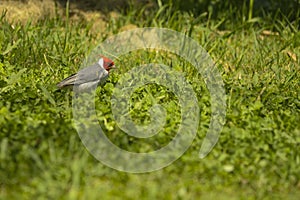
{"x": 91, "y": 74}
{"x": 67, "y": 81}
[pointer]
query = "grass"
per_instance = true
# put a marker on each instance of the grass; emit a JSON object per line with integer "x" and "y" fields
{"x": 256, "y": 157}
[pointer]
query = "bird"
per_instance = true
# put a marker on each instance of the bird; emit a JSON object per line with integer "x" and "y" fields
{"x": 89, "y": 77}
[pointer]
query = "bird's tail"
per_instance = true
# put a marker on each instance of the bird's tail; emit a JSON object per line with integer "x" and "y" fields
{"x": 67, "y": 81}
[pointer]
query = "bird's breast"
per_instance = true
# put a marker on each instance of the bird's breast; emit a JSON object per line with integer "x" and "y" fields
{"x": 87, "y": 86}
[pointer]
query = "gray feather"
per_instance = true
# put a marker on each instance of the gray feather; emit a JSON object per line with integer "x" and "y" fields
{"x": 67, "y": 81}
{"x": 92, "y": 74}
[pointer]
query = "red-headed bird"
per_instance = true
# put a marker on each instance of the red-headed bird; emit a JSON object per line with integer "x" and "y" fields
{"x": 90, "y": 76}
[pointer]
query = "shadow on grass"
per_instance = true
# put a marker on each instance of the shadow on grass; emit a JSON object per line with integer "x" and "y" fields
{"x": 216, "y": 8}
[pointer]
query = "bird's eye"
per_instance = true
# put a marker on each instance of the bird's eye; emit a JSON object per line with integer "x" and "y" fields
{"x": 110, "y": 64}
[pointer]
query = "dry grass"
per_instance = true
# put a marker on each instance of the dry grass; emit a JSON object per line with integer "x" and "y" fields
{"x": 22, "y": 11}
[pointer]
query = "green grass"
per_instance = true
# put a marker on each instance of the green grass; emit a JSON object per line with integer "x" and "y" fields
{"x": 257, "y": 155}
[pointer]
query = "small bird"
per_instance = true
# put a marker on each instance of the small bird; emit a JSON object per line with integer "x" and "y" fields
{"x": 90, "y": 76}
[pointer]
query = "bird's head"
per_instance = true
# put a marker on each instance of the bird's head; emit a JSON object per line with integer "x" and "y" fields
{"x": 106, "y": 63}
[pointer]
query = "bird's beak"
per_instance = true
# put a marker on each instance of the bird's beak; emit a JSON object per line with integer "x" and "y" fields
{"x": 113, "y": 67}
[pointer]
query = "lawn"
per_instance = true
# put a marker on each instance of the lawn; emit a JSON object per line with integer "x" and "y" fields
{"x": 256, "y": 49}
